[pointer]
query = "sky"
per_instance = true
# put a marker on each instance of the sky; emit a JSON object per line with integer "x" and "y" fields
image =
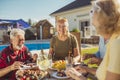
{"x": 30, "y": 9}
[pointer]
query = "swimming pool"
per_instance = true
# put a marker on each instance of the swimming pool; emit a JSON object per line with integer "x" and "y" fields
{"x": 32, "y": 46}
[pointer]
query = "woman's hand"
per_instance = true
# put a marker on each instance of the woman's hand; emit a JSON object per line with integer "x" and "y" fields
{"x": 87, "y": 56}
{"x": 15, "y": 65}
{"x": 95, "y": 60}
{"x": 73, "y": 73}
{"x": 51, "y": 51}
{"x": 81, "y": 69}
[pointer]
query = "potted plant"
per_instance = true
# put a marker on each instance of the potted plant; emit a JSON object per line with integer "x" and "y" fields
{"x": 76, "y": 32}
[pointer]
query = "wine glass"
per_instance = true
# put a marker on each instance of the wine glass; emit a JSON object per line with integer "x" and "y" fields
{"x": 44, "y": 61}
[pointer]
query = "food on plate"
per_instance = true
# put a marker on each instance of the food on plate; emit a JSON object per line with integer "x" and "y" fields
{"x": 28, "y": 66}
{"x": 61, "y": 73}
{"x": 59, "y": 65}
{"x": 29, "y": 74}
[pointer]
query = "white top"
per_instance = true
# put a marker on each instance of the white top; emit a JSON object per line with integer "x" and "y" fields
{"x": 102, "y": 48}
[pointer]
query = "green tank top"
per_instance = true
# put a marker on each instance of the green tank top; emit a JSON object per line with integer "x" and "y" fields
{"x": 62, "y": 48}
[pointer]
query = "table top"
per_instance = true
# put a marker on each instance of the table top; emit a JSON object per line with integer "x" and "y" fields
{"x": 51, "y": 77}
{"x": 51, "y": 72}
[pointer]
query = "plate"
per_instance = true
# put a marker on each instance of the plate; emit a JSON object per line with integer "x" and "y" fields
{"x": 53, "y": 69}
{"x": 29, "y": 66}
{"x": 58, "y": 77}
{"x": 30, "y": 74}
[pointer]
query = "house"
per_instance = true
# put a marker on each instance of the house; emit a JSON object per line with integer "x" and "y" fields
{"x": 30, "y": 34}
{"x": 77, "y": 13}
{"x": 6, "y": 25}
{"x": 43, "y": 29}
{"x": 20, "y": 23}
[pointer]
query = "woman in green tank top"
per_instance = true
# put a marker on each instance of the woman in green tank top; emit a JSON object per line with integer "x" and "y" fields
{"x": 64, "y": 42}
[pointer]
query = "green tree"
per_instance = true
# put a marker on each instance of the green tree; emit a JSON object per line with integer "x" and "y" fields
{"x": 30, "y": 22}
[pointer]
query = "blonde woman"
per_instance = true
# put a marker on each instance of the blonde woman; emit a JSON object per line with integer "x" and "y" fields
{"x": 63, "y": 43}
{"x": 106, "y": 19}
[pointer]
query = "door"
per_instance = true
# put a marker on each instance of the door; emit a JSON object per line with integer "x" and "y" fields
{"x": 84, "y": 26}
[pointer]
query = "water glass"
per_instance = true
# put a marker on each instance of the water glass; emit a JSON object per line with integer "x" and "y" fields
{"x": 69, "y": 62}
{"x": 50, "y": 59}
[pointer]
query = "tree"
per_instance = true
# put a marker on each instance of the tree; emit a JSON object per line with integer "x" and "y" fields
{"x": 30, "y": 22}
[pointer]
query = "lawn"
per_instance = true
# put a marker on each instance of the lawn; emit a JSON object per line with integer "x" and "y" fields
{"x": 89, "y": 50}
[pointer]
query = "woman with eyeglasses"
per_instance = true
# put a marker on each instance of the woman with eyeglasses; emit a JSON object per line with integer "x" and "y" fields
{"x": 106, "y": 19}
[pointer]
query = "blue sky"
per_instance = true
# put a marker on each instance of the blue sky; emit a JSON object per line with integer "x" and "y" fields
{"x": 30, "y": 9}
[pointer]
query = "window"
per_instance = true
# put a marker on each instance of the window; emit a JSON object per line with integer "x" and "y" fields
{"x": 84, "y": 27}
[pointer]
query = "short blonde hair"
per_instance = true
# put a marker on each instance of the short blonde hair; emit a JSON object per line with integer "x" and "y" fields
{"x": 65, "y": 21}
{"x": 15, "y": 32}
{"x": 108, "y": 16}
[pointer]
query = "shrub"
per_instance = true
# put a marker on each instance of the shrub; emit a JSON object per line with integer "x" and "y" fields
{"x": 75, "y": 30}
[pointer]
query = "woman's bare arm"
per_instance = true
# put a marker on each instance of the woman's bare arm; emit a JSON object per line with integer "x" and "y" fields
{"x": 112, "y": 76}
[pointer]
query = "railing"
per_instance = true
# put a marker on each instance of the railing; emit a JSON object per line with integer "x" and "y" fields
{"x": 37, "y": 41}
{"x": 91, "y": 40}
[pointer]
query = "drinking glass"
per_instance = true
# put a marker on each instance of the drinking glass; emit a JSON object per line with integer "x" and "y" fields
{"x": 50, "y": 60}
{"x": 69, "y": 62}
{"x": 44, "y": 62}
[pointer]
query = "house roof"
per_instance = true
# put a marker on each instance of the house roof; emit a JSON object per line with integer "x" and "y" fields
{"x": 42, "y": 22}
{"x": 21, "y": 22}
{"x": 75, "y": 4}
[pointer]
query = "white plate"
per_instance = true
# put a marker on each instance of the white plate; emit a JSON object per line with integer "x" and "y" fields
{"x": 28, "y": 66}
{"x": 25, "y": 67}
{"x": 58, "y": 77}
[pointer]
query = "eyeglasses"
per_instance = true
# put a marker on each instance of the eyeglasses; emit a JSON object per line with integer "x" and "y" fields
{"x": 21, "y": 40}
{"x": 95, "y": 8}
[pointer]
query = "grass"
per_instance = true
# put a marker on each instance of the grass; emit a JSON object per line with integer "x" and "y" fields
{"x": 89, "y": 51}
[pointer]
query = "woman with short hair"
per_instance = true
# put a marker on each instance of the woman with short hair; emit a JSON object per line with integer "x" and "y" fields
{"x": 64, "y": 43}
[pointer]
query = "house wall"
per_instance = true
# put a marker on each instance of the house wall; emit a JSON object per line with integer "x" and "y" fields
{"x": 2, "y": 31}
{"x": 76, "y": 16}
{"x": 44, "y": 33}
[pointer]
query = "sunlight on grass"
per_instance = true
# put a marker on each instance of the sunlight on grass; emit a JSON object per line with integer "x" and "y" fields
{"x": 90, "y": 50}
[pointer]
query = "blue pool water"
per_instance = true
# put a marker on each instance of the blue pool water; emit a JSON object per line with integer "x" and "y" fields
{"x": 32, "y": 46}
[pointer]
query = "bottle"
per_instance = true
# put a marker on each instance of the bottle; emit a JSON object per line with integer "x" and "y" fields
{"x": 70, "y": 57}
{"x": 42, "y": 54}
{"x": 50, "y": 60}
{"x": 69, "y": 60}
